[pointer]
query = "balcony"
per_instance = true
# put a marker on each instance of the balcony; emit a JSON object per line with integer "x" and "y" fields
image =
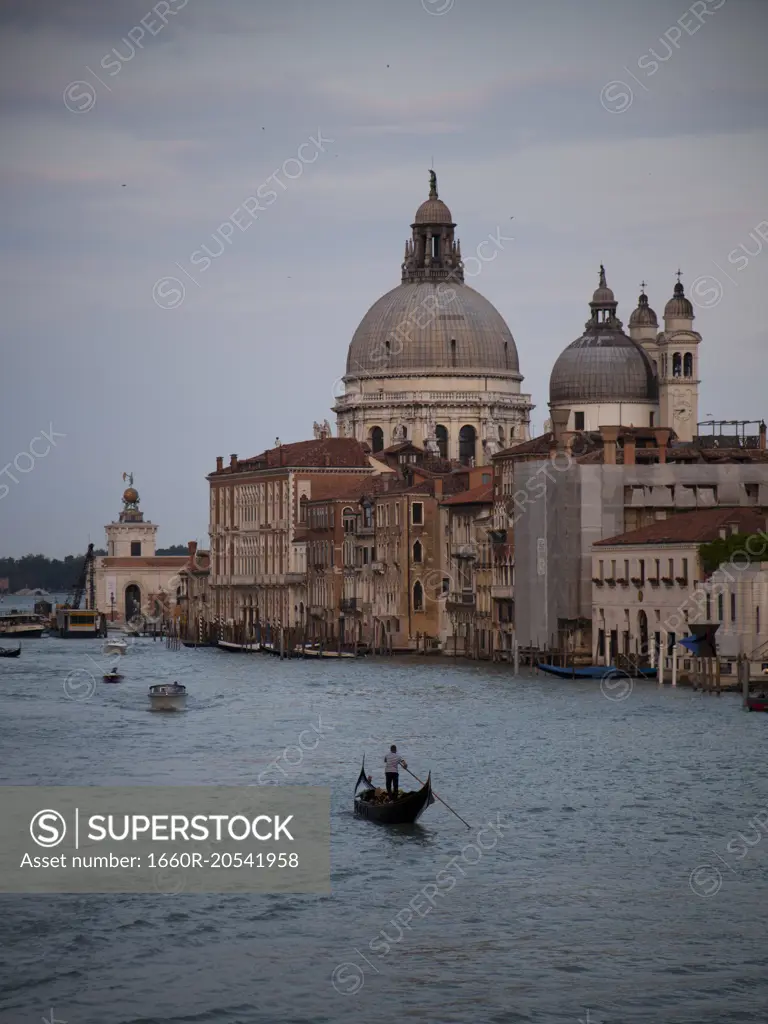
{"x": 462, "y": 600}
{"x": 349, "y": 605}
{"x": 502, "y": 591}
{"x": 377, "y": 566}
{"x": 464, "y": 551}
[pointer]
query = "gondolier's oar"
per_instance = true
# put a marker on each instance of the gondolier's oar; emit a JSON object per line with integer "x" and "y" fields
{"x": 434, "y": 794}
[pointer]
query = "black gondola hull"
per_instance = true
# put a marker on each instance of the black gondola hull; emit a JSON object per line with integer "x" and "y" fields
{"x": 405, "y": 811}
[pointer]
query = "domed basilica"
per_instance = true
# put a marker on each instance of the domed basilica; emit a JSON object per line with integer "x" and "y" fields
{"x": 433, "y": 361}
{"x": 646, "y": 379}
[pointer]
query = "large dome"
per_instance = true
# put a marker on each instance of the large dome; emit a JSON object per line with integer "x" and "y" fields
{"x": 433, "y": 327}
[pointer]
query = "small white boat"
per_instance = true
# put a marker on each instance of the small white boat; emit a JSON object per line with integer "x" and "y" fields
{"x": 167, "y": 697}
{"x": 115, "y": 647}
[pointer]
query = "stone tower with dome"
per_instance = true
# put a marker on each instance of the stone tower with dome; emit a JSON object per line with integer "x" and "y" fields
{"x": 647, "y": 378}
{"x": 132, "y": 581}
{"x": 433, "y": 361}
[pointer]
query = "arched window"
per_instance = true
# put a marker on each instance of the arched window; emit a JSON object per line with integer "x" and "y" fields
{"x": 417, "y": 551}
{"x": 506, "y": 354}
{"x": 377, "y": 439}
{"x": 418, "y": 597}
{"x": 467, "y": 443}
{"x": 441, "y": 433}
{"x": 501, "y": 435}
{"x": 688, "y": 365}
{"x": 453, "y": 351}
{"x": 348, "y": 518}
{"x": 677, "y": 365}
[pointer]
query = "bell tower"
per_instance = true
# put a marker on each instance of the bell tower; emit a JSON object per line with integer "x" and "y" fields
{"x": 678, "y": 347}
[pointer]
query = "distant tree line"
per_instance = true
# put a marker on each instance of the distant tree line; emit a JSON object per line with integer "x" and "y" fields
{"x": 57, "y": 576}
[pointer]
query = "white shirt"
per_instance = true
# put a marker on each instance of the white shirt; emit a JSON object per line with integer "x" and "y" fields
{"x": 392, "y": 762}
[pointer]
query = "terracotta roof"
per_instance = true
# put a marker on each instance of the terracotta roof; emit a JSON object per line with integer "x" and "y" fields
{"x": 697, "y": 527}
{"x": 344, "y": 452}
{"x": 537, "y": 445}
{"x": 482, "y": 495}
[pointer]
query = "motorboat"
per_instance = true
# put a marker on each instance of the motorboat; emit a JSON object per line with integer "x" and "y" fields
{"x": 112, "y": 677}
{"x": 115, "y": 647}
{"x": 167, "y": 697}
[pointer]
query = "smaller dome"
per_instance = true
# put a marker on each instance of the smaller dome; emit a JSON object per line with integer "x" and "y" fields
{"x": 643, "y": 316}
{"x": 678, "y": 306}
{"x": 130, "y": 495}
{"x": 603, "y": 295}
{"x": 433, "y": 211}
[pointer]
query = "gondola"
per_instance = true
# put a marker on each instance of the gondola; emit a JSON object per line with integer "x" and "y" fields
{"x": 405, "y": 811}
{"x": 8, "y": 652}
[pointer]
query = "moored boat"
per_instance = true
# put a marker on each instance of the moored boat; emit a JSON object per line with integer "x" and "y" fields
{"x": 167, "y": 697}
{"x": 579, "y": 671}
{"x": 374, "y": 804}
{"x": 756, "y": 702}
{"x": 21, "y": 624}
{"x": 9, "y": 652}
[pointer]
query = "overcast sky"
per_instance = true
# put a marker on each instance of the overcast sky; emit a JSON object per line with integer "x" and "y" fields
{"x": 127, "y": 146}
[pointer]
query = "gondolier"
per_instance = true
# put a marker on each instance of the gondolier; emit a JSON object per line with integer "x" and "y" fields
{"x": 392, "y": 762}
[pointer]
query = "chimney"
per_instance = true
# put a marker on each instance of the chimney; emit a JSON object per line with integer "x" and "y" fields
{"x": 219, "y": 463}
{"x": 630, "y": 450}
{"x": 192, "y": 550}
{"x": 233, "y": 462}
{"x": 610, "y": 436}
{"x": 762, "y": 443}
{"x": 560, "y": 419}
{"x": 438, "y": 488}
{"x": 662, "y": 442}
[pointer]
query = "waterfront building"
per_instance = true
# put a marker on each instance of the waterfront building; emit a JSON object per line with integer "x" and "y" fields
{"x": 590, "y": 487}
{"x": 470, "y": 569}
{"x": 649, "y": 584}
{"x": 736, "y": 596}
{"x": 193, "y": 597}
{"x": 258, "y": 563}
{"x": 410, "y": 578}
{"x": 329, "y": 527}
{"x": 132, "y": 582}
{"x": 433, "y": 361}
{"x": 648, "y": 378}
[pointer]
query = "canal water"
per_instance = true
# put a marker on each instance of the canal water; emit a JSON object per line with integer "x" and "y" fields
{"x": 614, "y": 871}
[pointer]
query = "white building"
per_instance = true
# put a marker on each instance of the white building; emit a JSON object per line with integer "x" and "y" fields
{"x": 131, "y": 581}
{"x": 433, "y": 361}
{"x": 648, "y": 585}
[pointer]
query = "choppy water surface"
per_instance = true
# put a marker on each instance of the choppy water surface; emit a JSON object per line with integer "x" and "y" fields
{"x": 627, "y": 884}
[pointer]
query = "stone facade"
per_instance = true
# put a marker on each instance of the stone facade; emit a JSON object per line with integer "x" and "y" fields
{"x": 258, "y": 555}
{"x": 132, "y": 583}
